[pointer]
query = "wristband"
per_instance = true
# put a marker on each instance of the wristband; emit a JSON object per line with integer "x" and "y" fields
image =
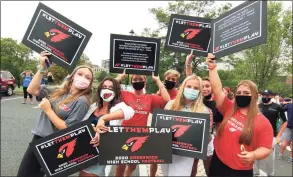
{"x": 41, "y": 69}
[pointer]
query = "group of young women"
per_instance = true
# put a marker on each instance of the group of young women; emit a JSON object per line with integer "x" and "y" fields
{"x": 243, "y": 133}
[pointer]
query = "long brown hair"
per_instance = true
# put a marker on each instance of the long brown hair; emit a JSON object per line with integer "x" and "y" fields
{"x": 247, "y": 133}
{"x": 197, "y": 105}
{"x": 66, "y": 89}
{"x": 116, "y": 89}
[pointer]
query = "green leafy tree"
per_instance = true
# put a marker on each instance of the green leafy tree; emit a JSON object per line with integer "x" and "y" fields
{"x": 100, "y": 75}
{"x": 264, "y": 63}
{"x": 175, "y": 60}
{"x": 16, "y": 57}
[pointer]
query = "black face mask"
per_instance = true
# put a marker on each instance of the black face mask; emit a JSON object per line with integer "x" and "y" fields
{"x": 138, "y": 85}
{"x": 208, "y": 97}
{"x": 169, "y": 84}
{"x": 242, "y": 101}
{"x": 266, "y": 100}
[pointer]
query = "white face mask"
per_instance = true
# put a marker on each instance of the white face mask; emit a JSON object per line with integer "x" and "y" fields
{"x": 107, "y": 95}
{"x": 80, "y": 82}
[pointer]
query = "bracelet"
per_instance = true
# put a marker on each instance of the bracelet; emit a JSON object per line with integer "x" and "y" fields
{"x": 41, "y": 69}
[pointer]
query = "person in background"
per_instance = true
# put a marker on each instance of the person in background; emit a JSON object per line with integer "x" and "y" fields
{"x": 171, "y": 80}
{"x": 27, "y": 77}
{"x": 61, "y": 108}
{"x": 272, "y": 112}
{"x": 106, "y": 108}
{"x": 226, "y": 90}
{"x": 259, "y": 98}
{"x": 287, "y": 133}
{"x": 43, "y": 81}
{"x": 143, "y": 104}
{"x": 50, "y": 78}
{"x": 244, "y": 135}
{"x": 188, "y": 99}
{"x": 217, "y": 116}
{"x": 276, "y": 98}
{"x": 231, "y": 96}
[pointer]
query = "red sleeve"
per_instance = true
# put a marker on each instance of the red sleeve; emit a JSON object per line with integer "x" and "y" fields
{"x": 226, "y": 106}
{"x": 158, "y": 101}
{"x": 265, "y": 133}
{"x": 124, "y": 94}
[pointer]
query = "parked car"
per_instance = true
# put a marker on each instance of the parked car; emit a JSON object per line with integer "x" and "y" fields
{"x": 7, "y": 83}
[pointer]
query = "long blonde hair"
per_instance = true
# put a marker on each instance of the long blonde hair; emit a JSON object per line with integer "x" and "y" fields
{"x": 247, "y": 133}
{"x": 197, "y": 105}
{"x": 66, "y": 89}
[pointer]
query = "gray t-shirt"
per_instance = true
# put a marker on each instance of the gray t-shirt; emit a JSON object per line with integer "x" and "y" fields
{"x": 71, "y": 113}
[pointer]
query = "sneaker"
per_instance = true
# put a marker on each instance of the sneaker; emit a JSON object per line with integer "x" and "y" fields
{"x": 23, "y": 103}
{"x": 31, "y": 103}
{"x": 256, "y": 174}
{"x": 288, "y": 148}
{"x": 280, "y": 157}
{"x": 290, "y": 160}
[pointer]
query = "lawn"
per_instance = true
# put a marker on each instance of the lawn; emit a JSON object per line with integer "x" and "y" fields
{"x": 18, "y": 90}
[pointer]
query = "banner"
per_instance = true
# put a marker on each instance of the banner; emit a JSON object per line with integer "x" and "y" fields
{"x": 190, "y": 131}
{"x": 138, "y": 55}
{"x": 67, "y": 151}
{"x": 186, "y": 33}
{"x": 136, "y": 145}
{"x": 240, "y": 28}
{"x": 52, "y": 32}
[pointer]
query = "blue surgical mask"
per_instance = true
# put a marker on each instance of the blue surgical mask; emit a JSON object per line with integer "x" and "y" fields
{"x": 190, "y": 93}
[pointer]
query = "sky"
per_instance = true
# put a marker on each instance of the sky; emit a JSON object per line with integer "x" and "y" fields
{"x": 99, "y": 17}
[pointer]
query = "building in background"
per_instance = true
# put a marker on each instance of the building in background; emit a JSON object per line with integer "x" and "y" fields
{"x": 97, "y": 68}
{"x": 105, "y": 64}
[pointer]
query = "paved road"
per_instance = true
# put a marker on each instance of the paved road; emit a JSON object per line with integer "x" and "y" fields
{"x": 18, "y": 119}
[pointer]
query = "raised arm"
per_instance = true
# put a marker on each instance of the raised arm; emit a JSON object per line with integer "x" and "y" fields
{"x": 35, "y": 84}
{"x": 188, "y": 61}
{"x": 121, "y": 77}
{"x": 163, "y": 91}
{"x": 215, "y": 80}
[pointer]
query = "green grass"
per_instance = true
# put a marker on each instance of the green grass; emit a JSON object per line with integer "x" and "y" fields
{"x": 18, "y": 90}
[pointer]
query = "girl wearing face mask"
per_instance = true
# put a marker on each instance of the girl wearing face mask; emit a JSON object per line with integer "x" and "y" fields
{"x": 142, "y": 104}
{"x": 244, "y": 135}
{"x": 61, "y": 107}
{"x": 189, "y": 99}
{"x": 107, "y": 108}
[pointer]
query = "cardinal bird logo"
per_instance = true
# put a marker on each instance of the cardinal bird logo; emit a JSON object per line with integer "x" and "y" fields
{"x": 107, "y": 95}
{"x": 179, "y": 130}
{"x": 190, "y": 33}
{"x": 135, "y": 143}
{"x": 56, "y": 35}
{"x": 66, "y": 149}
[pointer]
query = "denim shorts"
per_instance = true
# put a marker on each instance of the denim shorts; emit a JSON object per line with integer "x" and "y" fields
{"x": 96, "y": 169}
{"x": 288, "y": 135}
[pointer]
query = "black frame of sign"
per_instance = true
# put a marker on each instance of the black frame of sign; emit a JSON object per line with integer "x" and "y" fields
{"x": 192, "y": 116}
{"x": 138, "y": 39}
{"x": 62, "y": 133}
{"x": 246, "y": 44}
{"x": 57, "y": 16}
{"x": 174, "y": 48}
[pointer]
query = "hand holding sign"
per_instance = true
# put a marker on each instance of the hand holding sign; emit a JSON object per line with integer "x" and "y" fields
{"x": 189, "y": 58}
{"x": 210, "y": 60}
{"x": 44, "y": 59}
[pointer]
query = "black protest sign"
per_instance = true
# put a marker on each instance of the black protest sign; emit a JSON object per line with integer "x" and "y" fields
{"x": 190, "y": 131}
{"x": 67, "y": 151}
{"x": 240, "y": 28}
{"x": 138, "y": 55}
{"x": 186, "y": 33}
{"x": 52, "y": 32}
{"x": 136, "y": 145}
